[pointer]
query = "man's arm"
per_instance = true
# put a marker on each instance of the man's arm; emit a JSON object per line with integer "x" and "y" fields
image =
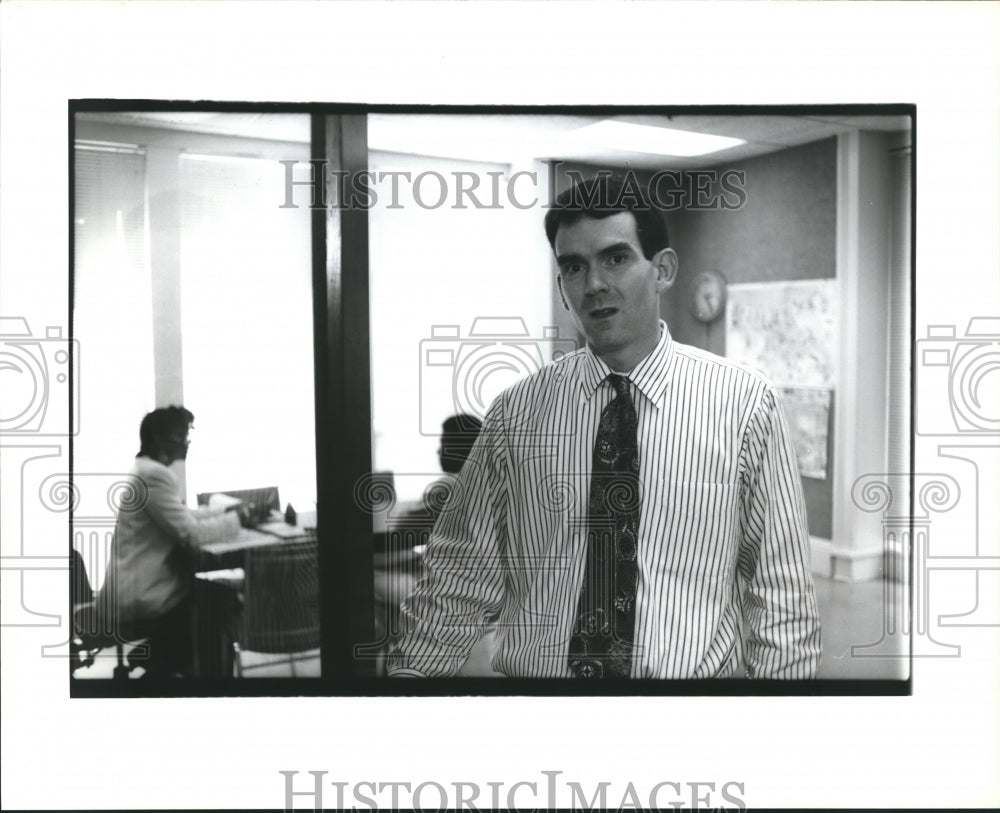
{"x": 779, "y": 608}
{"x": 186, "y": 527}
{"x": 446, "y": 614}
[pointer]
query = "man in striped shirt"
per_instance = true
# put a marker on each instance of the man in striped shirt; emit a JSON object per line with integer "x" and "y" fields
{"x": 721, "y": 576}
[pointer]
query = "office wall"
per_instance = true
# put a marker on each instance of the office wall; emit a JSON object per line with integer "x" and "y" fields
{"x": 786, "y": 230}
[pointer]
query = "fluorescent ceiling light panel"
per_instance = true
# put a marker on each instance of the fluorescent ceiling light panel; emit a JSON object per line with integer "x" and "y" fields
{"x": 458, "y": 145}
{"x": 620, "y": 135}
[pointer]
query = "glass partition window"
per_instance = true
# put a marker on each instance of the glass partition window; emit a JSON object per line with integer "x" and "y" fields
{"x": 111, "y": 321}
{"x": 463, "y": 281}
{"x": 456, "y": 292}
{"x": 247, "y": 331}
{"x": 193, "y": 287}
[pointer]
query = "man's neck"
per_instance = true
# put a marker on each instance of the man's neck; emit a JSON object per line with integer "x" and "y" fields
{"x": 627, "y": 360}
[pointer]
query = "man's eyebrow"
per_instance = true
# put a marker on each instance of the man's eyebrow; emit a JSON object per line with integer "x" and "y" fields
{"x": 563, "y": 259}
{"x": 615, "y": 248}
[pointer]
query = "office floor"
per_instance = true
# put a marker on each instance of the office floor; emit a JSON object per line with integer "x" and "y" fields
{"x": 853, "y": 618}
{"x": 255, "y": 665}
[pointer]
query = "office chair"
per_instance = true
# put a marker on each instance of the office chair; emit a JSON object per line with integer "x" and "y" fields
{"x": 91, "y": 629}
{"x": 83, "y": 642}
{"x": 280, "y": 603}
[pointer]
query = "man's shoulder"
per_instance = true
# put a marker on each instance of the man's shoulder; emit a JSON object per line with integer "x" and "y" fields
{"x": 152, "y": 471}
{"x": 730, "y": 373}
{"x": 557, "y": 373}
{"x": 529, "y": 400}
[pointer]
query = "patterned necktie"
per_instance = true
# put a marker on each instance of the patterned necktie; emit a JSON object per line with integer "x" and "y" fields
{"x": 603, "y": 634}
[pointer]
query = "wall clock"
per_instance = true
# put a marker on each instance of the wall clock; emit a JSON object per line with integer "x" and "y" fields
{"x": 708, "y": 295}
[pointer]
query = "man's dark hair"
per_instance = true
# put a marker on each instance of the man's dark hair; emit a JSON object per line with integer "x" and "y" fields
{"x": 159, "y": 425}
{"x": 458, "y": 435}
{"x": 605, "y": 195}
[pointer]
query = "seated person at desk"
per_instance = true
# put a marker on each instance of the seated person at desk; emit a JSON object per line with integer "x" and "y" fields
{"x": 458, "y": 435}
{"x": 150, "y": 584}
{"x": 397, "y": 569}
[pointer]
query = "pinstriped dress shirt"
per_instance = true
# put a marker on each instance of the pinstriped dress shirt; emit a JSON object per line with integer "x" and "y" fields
{"x": 723, "y": 558}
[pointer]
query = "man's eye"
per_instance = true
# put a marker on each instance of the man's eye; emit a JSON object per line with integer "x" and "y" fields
{"x": 617, "y": 259}
{"x": 571, "y": 270}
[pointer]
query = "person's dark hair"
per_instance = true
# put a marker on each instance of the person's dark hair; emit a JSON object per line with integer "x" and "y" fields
{"x": 458, "y": 435}
{"x": 159, "y": 425}
{"x": 605, "y": 195}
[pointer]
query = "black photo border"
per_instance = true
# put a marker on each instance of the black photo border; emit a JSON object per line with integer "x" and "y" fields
{"x": 342, "y": 386}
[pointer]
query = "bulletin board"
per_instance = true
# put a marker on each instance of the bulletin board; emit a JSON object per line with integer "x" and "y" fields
{"x": 788, "y": 332}
{"x": 807, "y": 411}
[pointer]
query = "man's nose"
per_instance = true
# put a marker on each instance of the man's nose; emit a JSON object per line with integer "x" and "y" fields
{"x": 595, "y": 282}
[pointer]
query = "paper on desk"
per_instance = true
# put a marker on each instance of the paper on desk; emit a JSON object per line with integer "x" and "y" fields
{"x": 223, "y": 501}
{"x": 218, "y": 528}
{"x": 225, "y": 575}
{"x": 281, "y": 528}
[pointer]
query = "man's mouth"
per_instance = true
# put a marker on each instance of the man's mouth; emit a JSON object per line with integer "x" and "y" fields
{"x": 603, "y": 313}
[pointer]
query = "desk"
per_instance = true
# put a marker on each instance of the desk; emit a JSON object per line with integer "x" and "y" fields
{"x": 246, "y": 539}
{"x": 226, "y": 571}
{"x": 230, "y": 553}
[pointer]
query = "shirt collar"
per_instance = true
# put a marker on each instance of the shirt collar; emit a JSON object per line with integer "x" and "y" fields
{"x": 650, "y": 376}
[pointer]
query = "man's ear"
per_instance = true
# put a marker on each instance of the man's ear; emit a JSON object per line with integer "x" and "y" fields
{"x": 665, "y": 263}
{"x": 562, "y": 295}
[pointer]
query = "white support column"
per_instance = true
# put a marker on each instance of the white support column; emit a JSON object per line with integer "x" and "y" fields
{"x": 860, "y": 430}
{"x": 163, "y": 206}
{"x": 164, "y": 241}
